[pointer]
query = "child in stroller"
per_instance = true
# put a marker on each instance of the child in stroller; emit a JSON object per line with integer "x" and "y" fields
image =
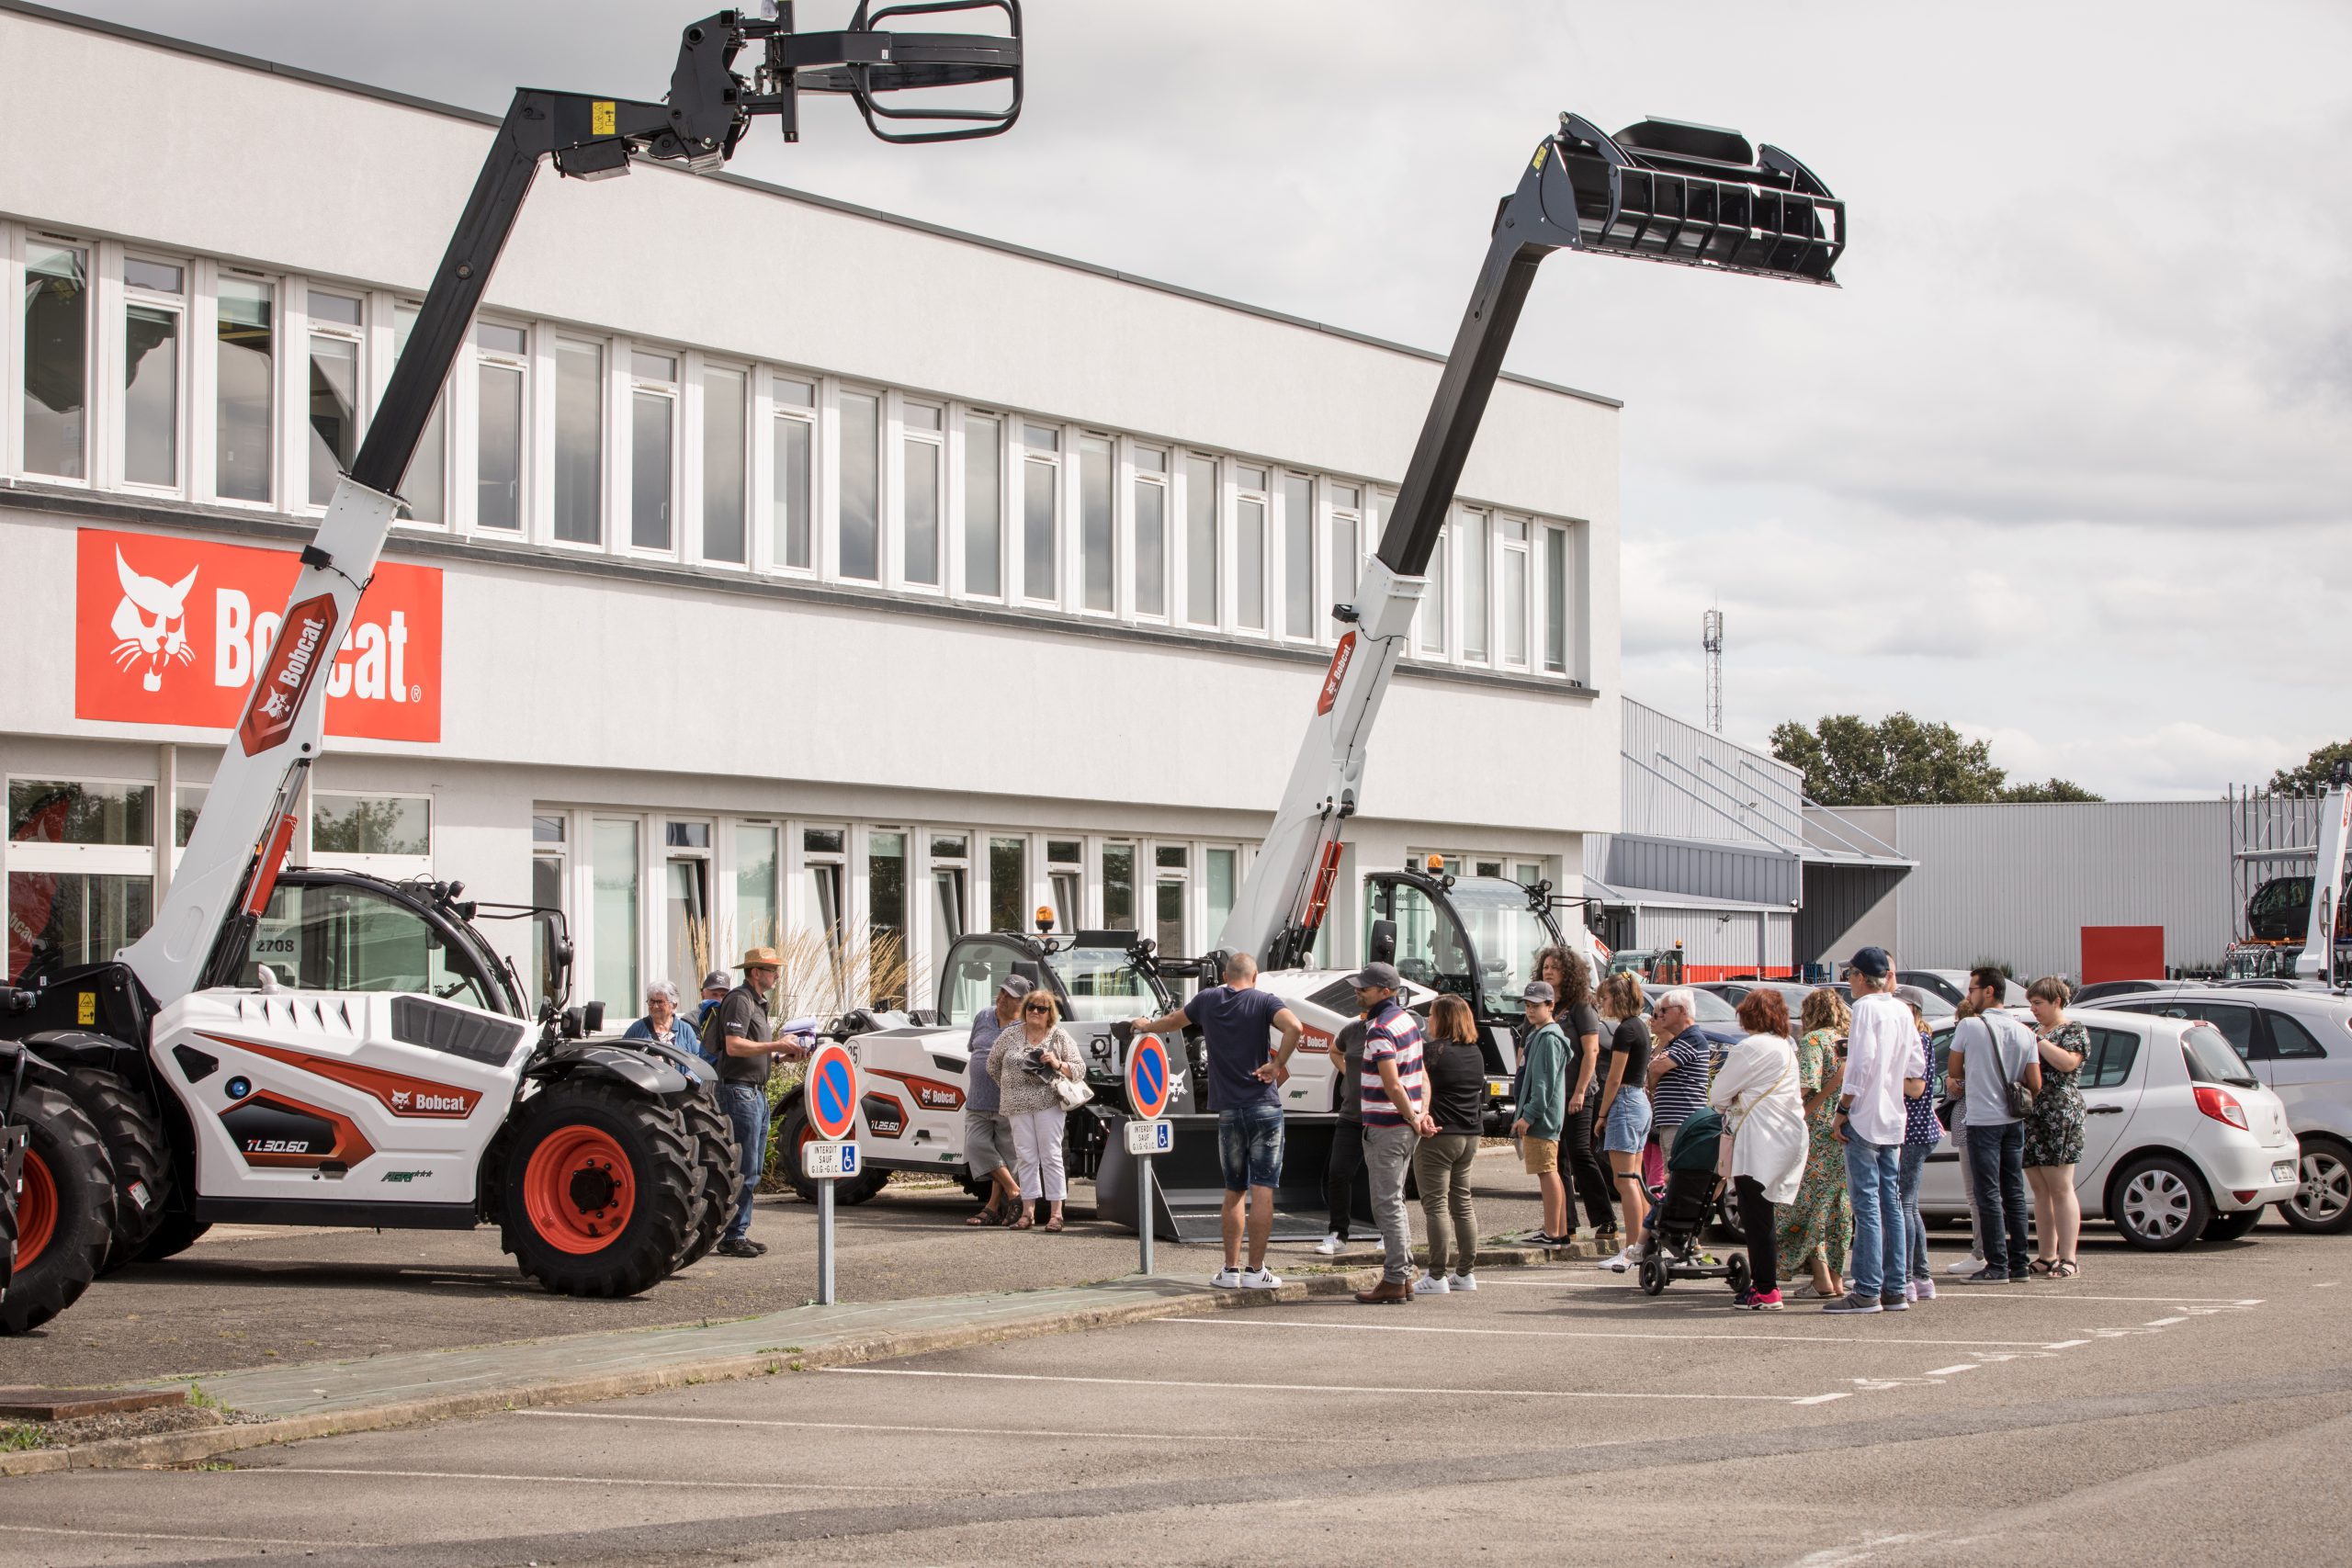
{"x": 1669, "y": 1249}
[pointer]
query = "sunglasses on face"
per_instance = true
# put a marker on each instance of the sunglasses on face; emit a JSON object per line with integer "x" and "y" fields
{"x": 1037, "y": 1010}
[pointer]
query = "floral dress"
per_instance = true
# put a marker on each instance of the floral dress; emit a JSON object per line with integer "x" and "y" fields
{"x": 2053, "y": 1128}
{"x": 1822, "y": 1219}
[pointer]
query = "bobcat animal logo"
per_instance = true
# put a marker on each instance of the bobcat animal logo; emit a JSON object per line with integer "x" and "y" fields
{"x": 150, "y": 623}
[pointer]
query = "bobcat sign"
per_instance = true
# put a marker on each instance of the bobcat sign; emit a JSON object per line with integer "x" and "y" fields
{"x": 170, "y": 630}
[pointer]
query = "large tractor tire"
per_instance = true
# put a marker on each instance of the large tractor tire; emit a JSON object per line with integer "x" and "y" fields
{"x": 720, "y": 1169}
{"x": 172, "y": 1235}
{"x": 599, "y": 1191}
{"x": 134, "y": 1140}
{"x": 64, "y": 1210}
{"x": 793, "y": 1131}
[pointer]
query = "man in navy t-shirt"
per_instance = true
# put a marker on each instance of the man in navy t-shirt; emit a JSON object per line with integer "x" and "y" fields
{"x": 1237, "y": 1022}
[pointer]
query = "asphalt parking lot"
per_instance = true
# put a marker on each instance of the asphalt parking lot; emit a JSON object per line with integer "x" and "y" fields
{"x": 2189, "y": 1407}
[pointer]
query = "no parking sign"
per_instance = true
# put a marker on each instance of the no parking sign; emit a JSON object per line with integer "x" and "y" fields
{"x": 832, "y": 1092}
{"x": 1149, "y": 1084}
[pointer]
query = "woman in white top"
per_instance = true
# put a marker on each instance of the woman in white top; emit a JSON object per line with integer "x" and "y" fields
{"x": 1755, "y": 1088}
{"x": 1025, "y": 1061}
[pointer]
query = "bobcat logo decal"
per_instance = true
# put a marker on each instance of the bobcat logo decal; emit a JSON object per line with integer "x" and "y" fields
{"x": 150, "y": 623}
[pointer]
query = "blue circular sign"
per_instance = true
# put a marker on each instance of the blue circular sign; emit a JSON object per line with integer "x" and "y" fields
{"x": 832, "y": 1092}
{"x": 1149, "y": 1083}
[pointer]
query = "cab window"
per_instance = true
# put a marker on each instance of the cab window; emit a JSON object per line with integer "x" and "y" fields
{"x": 1430, "y": 948}
{"x": 976, "y": 969}
{"x": 341, "y": 938}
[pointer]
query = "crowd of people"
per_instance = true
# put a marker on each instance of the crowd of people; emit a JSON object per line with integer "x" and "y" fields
{"x": 1826, "y": 1121}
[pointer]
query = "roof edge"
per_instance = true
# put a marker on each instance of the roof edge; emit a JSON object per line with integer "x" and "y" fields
{"x": 476, "y": 117}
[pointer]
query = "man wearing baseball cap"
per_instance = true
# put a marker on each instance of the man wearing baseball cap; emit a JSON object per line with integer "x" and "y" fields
{"x": 1396, "y": 1119}
{"x": 747, "y": 1052}
{"x": 1881, "y": 1070}
{"x": 1543, "y": 1109}
{"x": 987, "y": 1131}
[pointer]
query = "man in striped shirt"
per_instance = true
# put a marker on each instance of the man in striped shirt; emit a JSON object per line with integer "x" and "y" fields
{"x": 1396, "y": 1119}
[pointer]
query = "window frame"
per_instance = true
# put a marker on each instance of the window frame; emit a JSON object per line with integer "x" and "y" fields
{"x": 391, "y": 867}
{"x": 694, "y": 465}
{"x": 1130, "y": 480}
{"x": 832, "y": 484}
{"x": 126, "y": 295}
{"x": 1233, "y": 495}
{"x": 933, "y": 444}
{"x": 22, "y": 239}
{"x": 1058, "y": 547}
{"x": 466, "y": 428}
{"x": 622, "y": 472}
{"x": 774, "y": 555}
{"x": 363, "y": 401}
{"x": 1279, "y": 579}
{"x": 282, "y": 377}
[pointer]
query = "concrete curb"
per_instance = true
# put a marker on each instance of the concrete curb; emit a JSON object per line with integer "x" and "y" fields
{"x": 164, "y": 1448}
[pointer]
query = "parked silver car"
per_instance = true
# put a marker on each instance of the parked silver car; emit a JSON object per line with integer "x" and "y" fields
{"x": 2181, "y": 1141}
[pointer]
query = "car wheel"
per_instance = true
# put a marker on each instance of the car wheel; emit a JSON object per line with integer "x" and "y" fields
{"x": 2322, "y": 1204}
{"x": 2230, "y": 1227}
{"x": 2159, "y": 1205}
{"x": 1727, "y": 1219}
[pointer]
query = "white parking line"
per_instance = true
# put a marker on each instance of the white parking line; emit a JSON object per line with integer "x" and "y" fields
{"x": 877, "y": 1426}
{"x": 2165, "y": 1322}
{"x": 204, "y": 1540}
{"x": 1955, "y": 1371}
{"x": 657, "y": 1481}
{"x": 1325, "y": 1387}
{"x": 1943, "y": 1297}
{"x": 1253, "y": 1321}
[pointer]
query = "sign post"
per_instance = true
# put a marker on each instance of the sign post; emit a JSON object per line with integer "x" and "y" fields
{"x": 829, "y": 1098}
{"x": 1150, "y": 1085}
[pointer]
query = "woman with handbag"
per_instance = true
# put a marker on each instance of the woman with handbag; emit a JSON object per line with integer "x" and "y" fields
{"x": 1816, "y": 1229}
{"x": 1763, "y": 1146}
{"x": 1030, "y": 1063}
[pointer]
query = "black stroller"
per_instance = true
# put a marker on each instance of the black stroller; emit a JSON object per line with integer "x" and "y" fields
{"x": 1683, "y": 1209}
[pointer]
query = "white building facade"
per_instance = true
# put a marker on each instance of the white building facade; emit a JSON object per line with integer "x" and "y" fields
{"x": 739, "y": 601}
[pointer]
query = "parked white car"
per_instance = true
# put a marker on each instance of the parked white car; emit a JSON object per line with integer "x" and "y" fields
{"x": 1952, "y": 985}
{"x": 2300, "y": 1043}
{"x": 2181, "y": 1140}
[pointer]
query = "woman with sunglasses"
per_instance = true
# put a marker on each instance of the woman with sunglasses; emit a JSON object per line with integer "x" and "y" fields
{"x": 1025, "y": 1061}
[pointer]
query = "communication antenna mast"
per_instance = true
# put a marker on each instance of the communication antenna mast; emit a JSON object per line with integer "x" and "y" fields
{"x": 1711, "y": 638}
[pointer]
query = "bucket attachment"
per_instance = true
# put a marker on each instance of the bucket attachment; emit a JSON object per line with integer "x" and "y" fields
{"x": 911, "y": 63}
{"x": 1664, "y": 190}
{"x": 1188, "y": 1183}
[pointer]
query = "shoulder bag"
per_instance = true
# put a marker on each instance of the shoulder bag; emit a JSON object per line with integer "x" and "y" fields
{"x": 2014, "y": 1094}
{"x": 1731, "y": 1129}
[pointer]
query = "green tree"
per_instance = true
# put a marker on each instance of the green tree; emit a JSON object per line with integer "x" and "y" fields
{"x": 2311, "y": 777}
{"x": 1901, "y": 760}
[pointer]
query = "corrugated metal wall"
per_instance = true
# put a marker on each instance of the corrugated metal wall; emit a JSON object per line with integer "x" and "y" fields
{"x": 1753, "y": 874}
{"x": 1719, "y": 943}
{"x": 1683, "y": 781}
{"x": 2018, "y": 883}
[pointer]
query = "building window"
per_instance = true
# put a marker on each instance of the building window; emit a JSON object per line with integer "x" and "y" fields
{"x": 652, "y": 450}
{"x": 1008, "y": 885}
{"x": 1119, "y": 887}
{"x": 1097, "y": 528}
{"x": 1199, "y": 541}
{"x": 1431, "y": 616}
{"x": 859, "y": 534}
{"x": 984, "y": 505}
{"x": 1510, "y": 587}
{"x": 155, "y": 306}
{"x": 502, "y": 361}
{"x": 1298, "y": 556}
{"x": 1347, "y": 543}
{"x": 334, "y": 390}
{"x": 951, "y": 891}
{"x": 822, "y": 853}
{"x": 1477, "y": 587}
{"x": 795, "y": 439}
{"x": 1151, "y": 533}
{"x": 580, "y": 448}
{"x": 614, "y": 923}
{"x": 423, "y": 489}
{"x": 757, "y": 905}
{"x": 923, "y": 455}
{"x": 1222, "y": 868}
{"x": 886, "y": 915}
{"x": 550, "y": 879}
{"x": 81, "y": 864}
{"x": 1066, "y": 875}
{"x": 1555, "y": 599}
{"x": 726, "y": 460}
{"x": 1040, "y": 511}
{"x": 57, "y": 360}
{"x": 1250, "y": 548}
{"x": 371, "y": 826}
{"x": 686, "y": 902}
{"x": 1168, "y": 910}
{"x": 244, "y": 374}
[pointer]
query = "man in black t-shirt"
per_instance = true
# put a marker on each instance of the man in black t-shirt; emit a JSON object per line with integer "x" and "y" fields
{"x": 746, "y": 1047}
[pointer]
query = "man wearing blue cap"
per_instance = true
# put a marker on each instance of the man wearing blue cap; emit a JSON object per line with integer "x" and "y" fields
{"x": 1881, "y": 1073}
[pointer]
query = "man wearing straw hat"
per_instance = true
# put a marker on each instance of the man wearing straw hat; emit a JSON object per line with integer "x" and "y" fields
{"x": 747, "y": 1049}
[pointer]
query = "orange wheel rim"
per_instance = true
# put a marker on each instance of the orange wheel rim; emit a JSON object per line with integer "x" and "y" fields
{"x": 577, "y": 1190}
{"x": 36, "y": 1211}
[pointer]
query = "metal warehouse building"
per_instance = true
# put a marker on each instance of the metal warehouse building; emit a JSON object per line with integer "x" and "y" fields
{"x": 724, "y": 618}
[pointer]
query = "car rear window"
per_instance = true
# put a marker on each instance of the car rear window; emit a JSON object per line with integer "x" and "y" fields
{"x": 2211, "y": 1058}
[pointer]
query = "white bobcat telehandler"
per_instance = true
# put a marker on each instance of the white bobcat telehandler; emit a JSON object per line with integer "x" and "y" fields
{"x": 301, "y": 1047}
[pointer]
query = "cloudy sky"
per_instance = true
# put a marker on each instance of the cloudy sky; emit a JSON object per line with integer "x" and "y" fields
{"x": 2065, "y": 463}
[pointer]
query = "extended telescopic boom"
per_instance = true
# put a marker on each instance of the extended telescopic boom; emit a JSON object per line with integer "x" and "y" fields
{"x": 1661, "y": 190}
{"x": 242, "y": 835}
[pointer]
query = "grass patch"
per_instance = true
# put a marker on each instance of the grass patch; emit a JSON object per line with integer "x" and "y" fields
{"x": 16, "y": 1436}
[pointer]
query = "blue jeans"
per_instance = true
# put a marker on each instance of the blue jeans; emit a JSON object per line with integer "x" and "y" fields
{"x": 746, "y": 1105}
{"x": 1877, "y": 1267}
{"x": 1250, "y": 1147}
{"x": 1915, "y": 1160}
{"x": 1996, "y": 1169}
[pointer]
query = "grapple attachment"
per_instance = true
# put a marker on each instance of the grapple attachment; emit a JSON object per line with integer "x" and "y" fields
{"x": 911, "y": 63}
{"x": 1664, "y": 190}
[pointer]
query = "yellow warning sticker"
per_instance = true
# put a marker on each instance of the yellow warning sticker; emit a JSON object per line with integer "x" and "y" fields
{"x": 600, "y": 118}
{"x": 1540, "y": 151}
{"x": 85, "y": 1007}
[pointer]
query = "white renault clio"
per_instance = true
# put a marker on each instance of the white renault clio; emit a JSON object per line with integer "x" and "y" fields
{"x": 2181, "y": 1142}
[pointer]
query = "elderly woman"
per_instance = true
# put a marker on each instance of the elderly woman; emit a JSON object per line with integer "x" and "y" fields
{"x": 663, "y": 1020}
{"x": 1025, "y": 1061}
{"x": 1755, "y": 1088}
{"x": 1817, "y": 1230}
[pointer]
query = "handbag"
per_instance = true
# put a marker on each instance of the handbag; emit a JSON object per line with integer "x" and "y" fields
{"x": 2018, "y": 1098}
{"x": 1071, "y": 1093}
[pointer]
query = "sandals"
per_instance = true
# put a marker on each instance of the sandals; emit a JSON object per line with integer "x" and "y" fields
{"x": 2042, "y": 1268}
{"x": 2065, "y": 1269}
{"x": 1023, "y": 1223}
{"x": 987, "y": 1216}
{"x": 1055, "y": 1224}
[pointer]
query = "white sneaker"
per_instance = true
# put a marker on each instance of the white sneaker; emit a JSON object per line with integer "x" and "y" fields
{"x": 1226, "y": 1279}
{"x": 1971, "y": 1264}
{"x": 1330, "y": 1244}
{"x": 1431, "y": 1285}
{"x": 1618, "y": 1264}
{"x": 1260, "y": 1280}
{"x": 1461, "y": 1282}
